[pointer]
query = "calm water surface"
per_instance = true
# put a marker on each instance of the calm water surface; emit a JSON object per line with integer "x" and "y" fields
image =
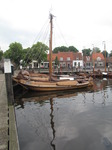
{"x": 75, "y": 120}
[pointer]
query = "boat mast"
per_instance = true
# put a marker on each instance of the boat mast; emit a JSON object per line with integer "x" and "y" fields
{"x": 105, "y": 53}
{"x": 93, "y": 59}
{"x": 50, "y": 47}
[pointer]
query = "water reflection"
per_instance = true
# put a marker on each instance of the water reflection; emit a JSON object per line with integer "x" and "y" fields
{"x": 66, "y": 120}
{"x": 100, "y": 86}
{"x": 52, "y": 123}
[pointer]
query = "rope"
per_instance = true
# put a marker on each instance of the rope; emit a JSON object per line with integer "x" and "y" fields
{"x": 45, "y": 36}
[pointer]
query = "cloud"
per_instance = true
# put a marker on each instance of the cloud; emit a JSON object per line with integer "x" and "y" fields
{"x": 9, "y": 35}
{"x": 82, "y": 22}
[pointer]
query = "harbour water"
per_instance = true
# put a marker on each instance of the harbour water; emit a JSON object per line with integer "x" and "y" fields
{"x": 74, "y": 120}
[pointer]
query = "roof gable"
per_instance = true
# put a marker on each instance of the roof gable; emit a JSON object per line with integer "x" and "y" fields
{"x": 95, "y": 56}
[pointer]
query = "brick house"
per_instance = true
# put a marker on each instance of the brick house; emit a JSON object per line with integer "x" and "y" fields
{"x": 78, "y": 60}
{"x": 96, "y": 59}
{"x": 75, "y": 60}
{"x": 109, "y": 61}
{"x": 87, "y": 60}
{"x": 68, "y": 59}
{"x": 65, "y": 58}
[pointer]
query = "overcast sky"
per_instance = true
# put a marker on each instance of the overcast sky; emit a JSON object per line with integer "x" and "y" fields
{"x": 82, "y": 23}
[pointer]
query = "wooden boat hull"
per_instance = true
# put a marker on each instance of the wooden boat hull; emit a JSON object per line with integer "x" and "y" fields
{"x": 57, "y": 88}
{"x": 51, "y": 86}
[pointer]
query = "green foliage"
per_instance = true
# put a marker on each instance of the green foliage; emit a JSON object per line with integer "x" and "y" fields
{"x": 1, "y": 54}
{"x": 56, "y": 61}
{"x": 86, "y": 52}
{"x": 14, "y": 53}
{"x": 96, "y": 50}
{"x": 7, "y": 54}
{"x": 105, "y": 53}
{"x": 26, "y": 56}
{"x": 60, "y": 49}
{"x": 72, "y": 49}
{"x": 39, "y": 52}
{"x": 65, "y": 49}
{"x": 56, "y": 49}
{"x": 110, "y": 55}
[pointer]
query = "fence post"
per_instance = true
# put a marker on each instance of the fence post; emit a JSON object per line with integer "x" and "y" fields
{"x": 8, "y": 80}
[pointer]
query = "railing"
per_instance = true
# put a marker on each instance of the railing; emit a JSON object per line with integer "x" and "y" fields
{"x": 70, "y": 70}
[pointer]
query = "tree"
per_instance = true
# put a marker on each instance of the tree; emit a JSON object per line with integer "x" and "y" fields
{"x": 72, "y": 49}
{"x": 60, "y": 49}
{"x": 56, "y": 49}
{"x": 65, "y": 49}
{"x": 39, "y": 52}
{"x": 27, "y": 56}
{"x": 86, "y": 52}
{"x": 110, "y": 55}
{"x": 96, "y": 50}
{"x": 14, "y": 53}
{"x": 56, "y": 61}
{"x": 105, "y": 53}
{"x": 1, "y": 54}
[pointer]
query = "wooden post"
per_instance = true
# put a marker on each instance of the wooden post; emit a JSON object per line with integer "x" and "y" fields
{"x": 8, "y": 80}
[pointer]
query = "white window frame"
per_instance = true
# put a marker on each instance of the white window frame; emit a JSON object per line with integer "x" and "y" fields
{"x": 61, "y": 58}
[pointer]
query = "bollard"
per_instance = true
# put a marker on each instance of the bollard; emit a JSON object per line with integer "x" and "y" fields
{"x": 8, "y": 80}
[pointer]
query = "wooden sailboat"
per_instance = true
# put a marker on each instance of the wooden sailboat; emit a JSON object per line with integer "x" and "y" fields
{"x": 48, "y": 83}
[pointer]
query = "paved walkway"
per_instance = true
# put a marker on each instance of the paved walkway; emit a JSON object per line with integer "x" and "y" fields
{"x": 3, "y": 115}
{"x": 8, "y": 132}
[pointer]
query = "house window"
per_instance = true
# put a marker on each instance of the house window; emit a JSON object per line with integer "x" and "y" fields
{"x": 98, "y": 59}
{"x": 100, "y": 64}
{"x": 68, "y": 58}
{"x": 88, "y": 64}
{"x": 87, "y": 58}
{"x": 35, "y": 64}
{"x": 64, "y": 65}
{"x": 77, "y": 58}
{"x": 61, "y": 58}
{"x": 75, "y": 63}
